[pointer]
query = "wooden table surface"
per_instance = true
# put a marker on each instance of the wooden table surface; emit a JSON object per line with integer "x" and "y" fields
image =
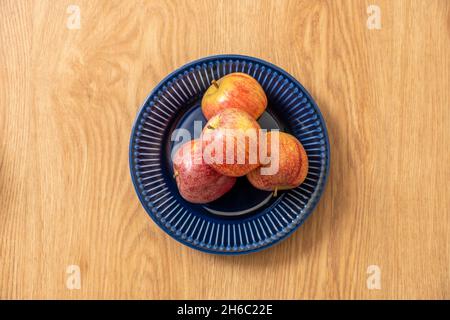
{"x": 68, "y": 98}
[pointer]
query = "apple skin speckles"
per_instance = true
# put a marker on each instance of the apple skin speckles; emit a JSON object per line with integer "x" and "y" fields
{"x": 235, "y": 90}
{"x": 196, "y": 181}
{"x": 292, "y": 168}
{"x": 236, "y": 135}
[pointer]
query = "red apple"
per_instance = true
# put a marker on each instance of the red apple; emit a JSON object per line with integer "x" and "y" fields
{"x": 196, "y": 181}
{"x": 292, "y": 166}
{"x": 230, "y": 141}
{"x": 235, "y": 90}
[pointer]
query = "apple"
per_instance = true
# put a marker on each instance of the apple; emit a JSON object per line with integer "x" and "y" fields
{"x": 292, "y": 166}
{"x": 196, "y": 181}
{"x": 230, "y": 141}
{"x": 235, "y": 90}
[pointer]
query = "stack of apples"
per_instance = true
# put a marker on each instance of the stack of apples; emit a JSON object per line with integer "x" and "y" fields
{"x": 205, "y": 172}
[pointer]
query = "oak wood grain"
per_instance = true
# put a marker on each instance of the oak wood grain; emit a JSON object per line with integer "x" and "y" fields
{"x": 68, "y": 99}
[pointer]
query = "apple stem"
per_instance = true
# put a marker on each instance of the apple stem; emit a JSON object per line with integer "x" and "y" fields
{"x": 210, "y": 127}
{"x": 175, "y": 174}
{"x": 275, "y": 192}
{"x": 215, "y": 83}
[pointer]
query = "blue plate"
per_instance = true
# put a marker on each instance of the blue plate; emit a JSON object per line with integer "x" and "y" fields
{"x": 245, "y": 219}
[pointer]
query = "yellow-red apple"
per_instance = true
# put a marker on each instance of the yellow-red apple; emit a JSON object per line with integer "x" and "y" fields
{"x": 230, "y": 141}
{"x": 292, "y": 166}
{"x": 196, "y": 181}
{"x": 235, "y": 90}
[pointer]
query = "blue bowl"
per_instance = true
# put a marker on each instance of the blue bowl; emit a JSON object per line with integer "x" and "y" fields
{"x": 245, "y": 219}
